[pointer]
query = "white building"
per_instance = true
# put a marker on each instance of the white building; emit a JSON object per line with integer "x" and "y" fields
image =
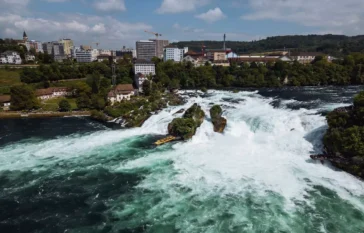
{"x": 144, "y": 67}
{"x": 29, "y": 57}
{"x": 10, "y": 57}
{"x": 94, "y": 54}
{"x": 84, "y": 56}
{"x": 304, "y": 57}
{"x": 189, "y": 58}
{"x": 174, "y": 53}
{"x": 121, "y": 92}
{"x": 53, "y": 92}
{"x": 5, "y": 102}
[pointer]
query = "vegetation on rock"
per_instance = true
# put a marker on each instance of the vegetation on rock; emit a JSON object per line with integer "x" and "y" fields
{"x": 186, "y": 126}
{"x": 344, "y": 140}
{"x": 218, "y": 121}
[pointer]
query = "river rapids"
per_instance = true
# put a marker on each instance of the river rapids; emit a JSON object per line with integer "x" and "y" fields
{"x": 74, "y": 175}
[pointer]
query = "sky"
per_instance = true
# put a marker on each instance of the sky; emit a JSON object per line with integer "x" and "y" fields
{"x": 117, "y": 23}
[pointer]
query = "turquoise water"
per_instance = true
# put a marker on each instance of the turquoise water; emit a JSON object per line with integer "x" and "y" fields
{"x": 256, "y": 177}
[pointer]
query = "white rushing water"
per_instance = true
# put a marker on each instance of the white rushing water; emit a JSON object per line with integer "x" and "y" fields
{"x": 261, "y": 158}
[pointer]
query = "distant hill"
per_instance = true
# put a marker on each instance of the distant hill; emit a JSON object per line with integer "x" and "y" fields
{"x": 336, "y": 45}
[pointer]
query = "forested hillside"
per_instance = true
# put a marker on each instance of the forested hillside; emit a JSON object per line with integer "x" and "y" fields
{"x": 336, "y": 45}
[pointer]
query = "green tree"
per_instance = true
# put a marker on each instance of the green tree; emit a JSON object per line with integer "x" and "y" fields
{"x": 64, "y": 106}
{"x": 83, "y": 101}
{"x": 23, "y": 98}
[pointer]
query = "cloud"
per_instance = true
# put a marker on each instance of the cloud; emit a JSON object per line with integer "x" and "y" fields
{"x": 13, "y": 5}
{"x": 187, "y": 29}
{"x": 110, "y": 5}
{"x": 85, "y": 29}
{"x": 178, "y": 6}
{"x": 329, "y": 15}
{"x": 212, "y": 15}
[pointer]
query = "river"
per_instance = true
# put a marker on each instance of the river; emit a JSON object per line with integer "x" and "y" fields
{"x": 75, "y": 175}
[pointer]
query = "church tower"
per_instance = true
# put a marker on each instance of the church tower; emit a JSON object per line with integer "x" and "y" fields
{"x": 25, "y": 37}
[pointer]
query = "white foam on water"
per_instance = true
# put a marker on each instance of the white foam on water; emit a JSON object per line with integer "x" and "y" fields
{"x": 262, "y": 150}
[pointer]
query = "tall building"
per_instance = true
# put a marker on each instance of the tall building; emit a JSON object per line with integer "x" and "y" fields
{"x": 146, "y": 49}
{"x": 173, "y": 53}
{"x": 55, "y": 49}
{"x": 37, "y": 45}
{"x": 67, "y": 46}
{"x": 160, "y": 44}
{"x": 47, "y": 47}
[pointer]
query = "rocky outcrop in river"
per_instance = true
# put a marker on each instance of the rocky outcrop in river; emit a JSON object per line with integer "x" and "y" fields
{"x": 185, "y": 127}
{"x": 218, "y": 121}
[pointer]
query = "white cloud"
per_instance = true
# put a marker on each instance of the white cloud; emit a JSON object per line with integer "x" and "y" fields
{"x": 178, "y": 6}
{"x": 13, "y": 5}
{"x": 110, "y": 5}
{"x": 329, "y": 15}
{"x": 85, "y": 29}
{"x": 212, "y": 15}
{"x": 187, "y": 29}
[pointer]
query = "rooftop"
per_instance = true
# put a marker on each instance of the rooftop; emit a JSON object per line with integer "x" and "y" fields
{"x": 5, "y": 98}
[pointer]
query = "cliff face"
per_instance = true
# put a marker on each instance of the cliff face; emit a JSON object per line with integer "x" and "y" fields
{"x": 344, "y": 140}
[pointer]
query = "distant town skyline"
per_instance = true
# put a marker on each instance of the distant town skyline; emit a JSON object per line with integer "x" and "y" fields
{"x": 117, "y": 23}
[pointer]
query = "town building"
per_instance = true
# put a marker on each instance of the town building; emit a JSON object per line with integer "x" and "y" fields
{"x": 126, "y": 51}
{"x": 55, "y": 49}
{"x": 29, "y": 58}
{"x": 144, "y": 67}
{"x": 5, "y": 102}
{"x": 146, "y": 49}
{"x": 36, "y": 45}
{"x": 120, "y": 92}
{"x": 217, "y": 54}
{"x": 159, "y": 46}
{"x": 304, "y": 57}
{"x": 86, "y": 47}
{"x": 225, "y": 63}
{"x": 102, "y": 58}
{"x": 83, "y": 56}
{"x": 24, "y": 40}
{"x": 173, "y": 53}
{"x": 190, "y": 59}
{"x": 53, "y": 92}
{"x": 10, "y": 57}
{"x": 67, "y": 46}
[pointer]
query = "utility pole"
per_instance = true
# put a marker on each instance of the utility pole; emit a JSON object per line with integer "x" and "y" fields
{"x": 113, "y": 76}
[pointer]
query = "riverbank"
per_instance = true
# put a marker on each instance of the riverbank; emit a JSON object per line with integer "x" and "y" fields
{"x": 10, "y": 114}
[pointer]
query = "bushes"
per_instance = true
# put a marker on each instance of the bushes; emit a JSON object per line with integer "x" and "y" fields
{"x": 64, "y": 106}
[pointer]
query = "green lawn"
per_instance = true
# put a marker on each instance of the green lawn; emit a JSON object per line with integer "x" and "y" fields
{"x": 8, "y": 78}
{"x": 52, "y": 104}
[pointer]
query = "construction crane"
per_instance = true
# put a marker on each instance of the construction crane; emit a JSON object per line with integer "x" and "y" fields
{"x": 157, "y": 35}
{"x": 97, "y": 44}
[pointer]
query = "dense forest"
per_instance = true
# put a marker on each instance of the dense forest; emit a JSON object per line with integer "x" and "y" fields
{"x": 335, "y": 45}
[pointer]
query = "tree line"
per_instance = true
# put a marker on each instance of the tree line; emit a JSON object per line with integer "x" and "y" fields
{"x": 335, "y": 45}
{"x": 348, "y": 71}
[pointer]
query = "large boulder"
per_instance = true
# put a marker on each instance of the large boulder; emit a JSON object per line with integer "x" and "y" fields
{"x": 185, "y": 127}
{"x": 218, "y": 121}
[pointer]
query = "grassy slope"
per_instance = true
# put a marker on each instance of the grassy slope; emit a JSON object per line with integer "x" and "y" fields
{"x": 52, "y": 104}
{"x": 8, "y": 78}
